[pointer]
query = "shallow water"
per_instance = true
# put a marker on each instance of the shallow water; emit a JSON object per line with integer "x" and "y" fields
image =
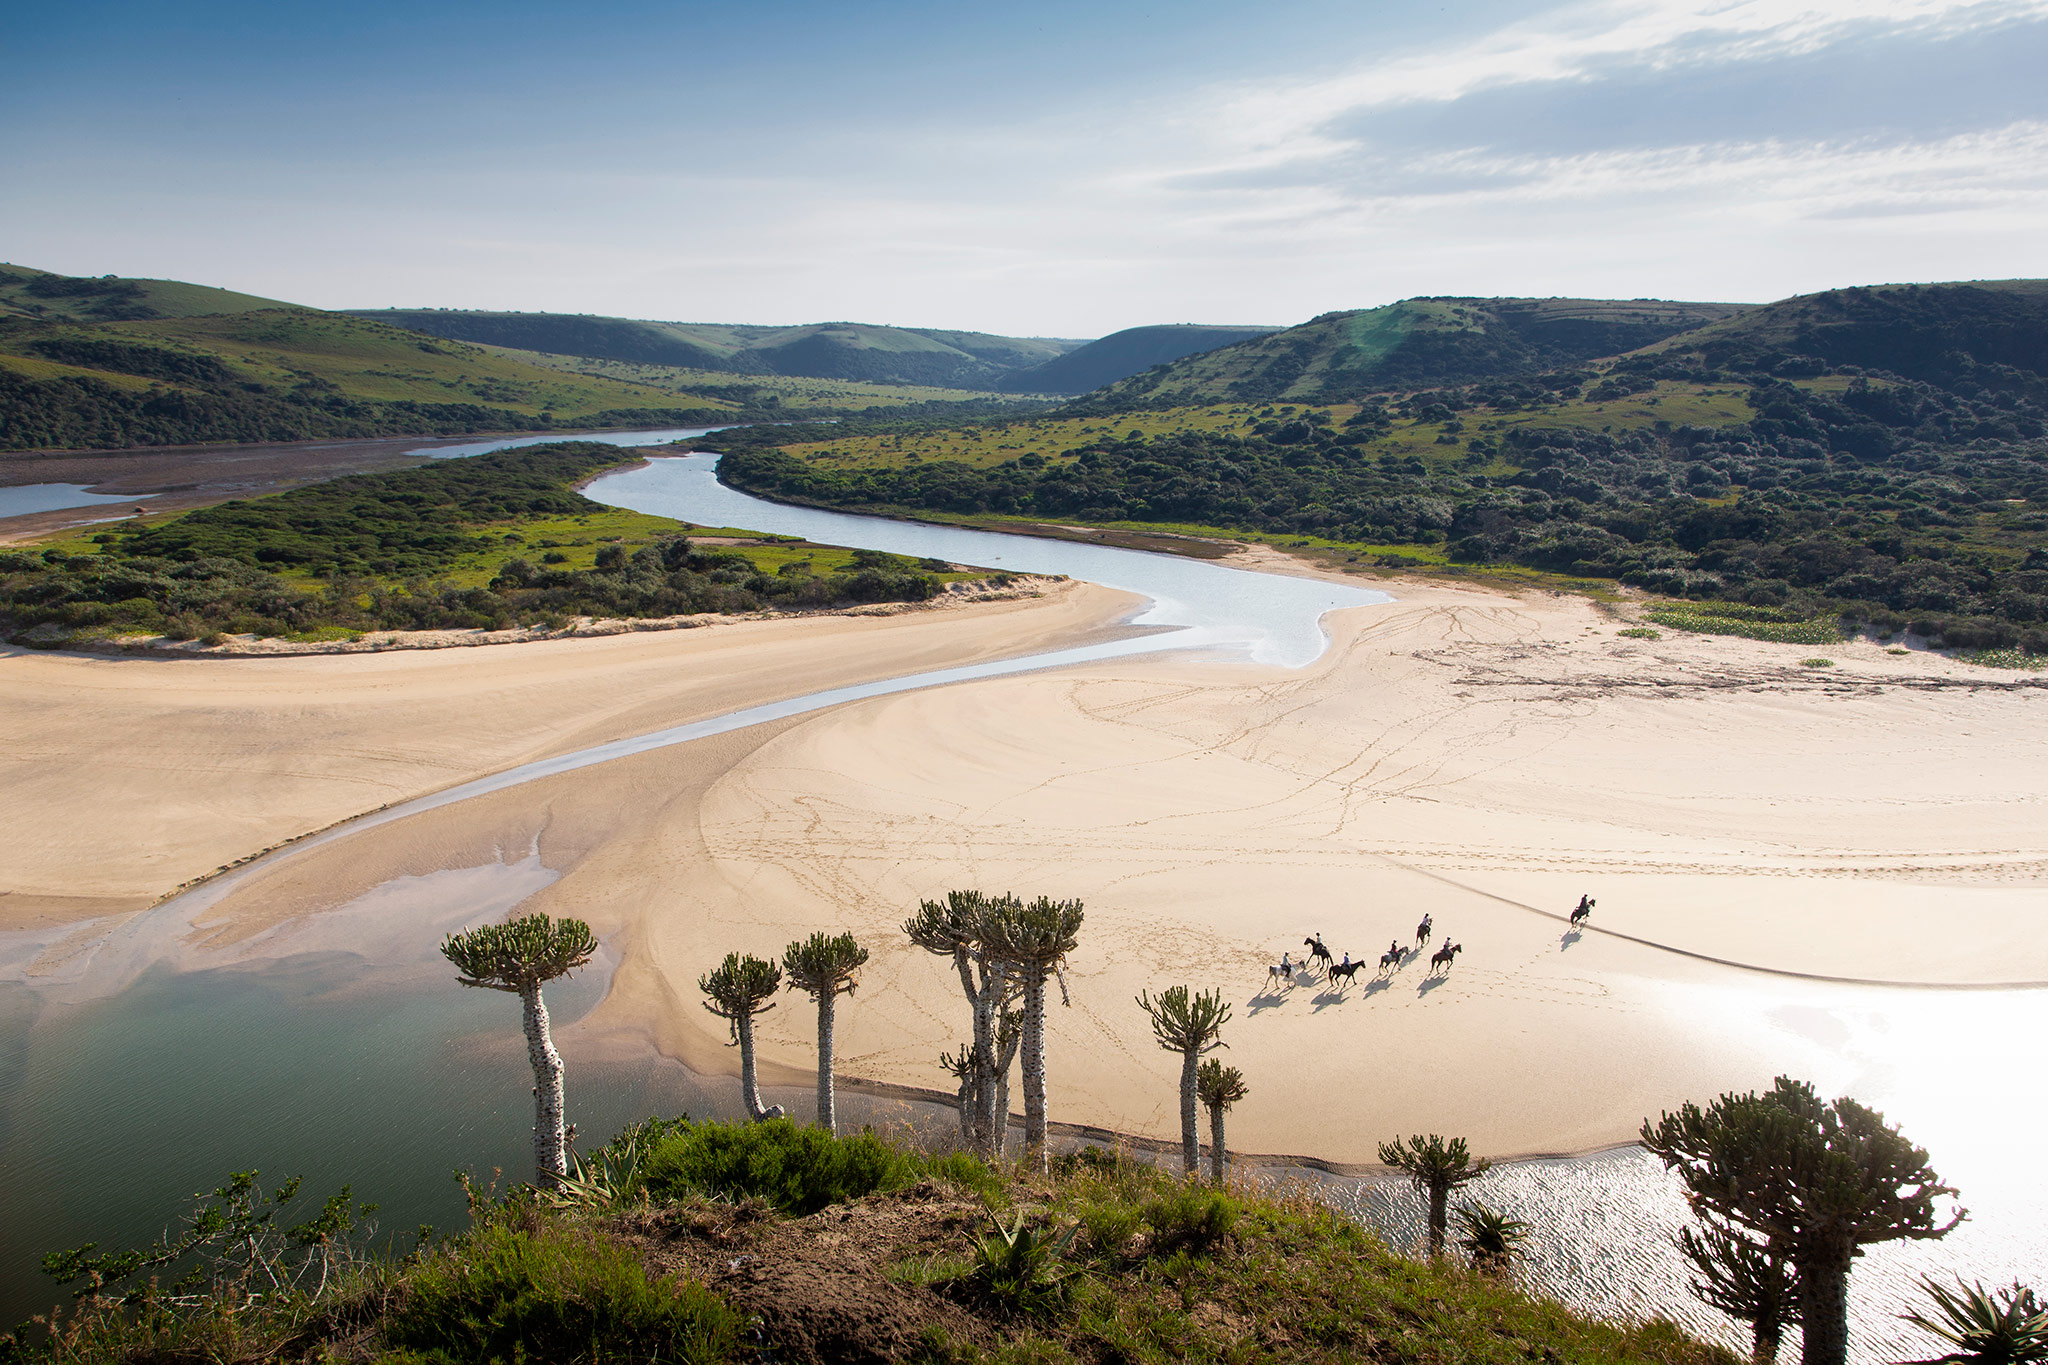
{"x": 666, "y": 436}
{"x": 142, "y": 1064}
{"x": 22, "y": 499}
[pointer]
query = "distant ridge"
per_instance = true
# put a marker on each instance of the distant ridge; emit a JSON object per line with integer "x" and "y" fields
{"x": 824, "y": 350}
{"x": 1122, "y": 354}
{"x": 1415, "y": 343}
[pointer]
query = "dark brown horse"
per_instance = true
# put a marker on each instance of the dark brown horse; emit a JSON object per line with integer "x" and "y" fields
{"x": 1317, "y": 953}
{"x": 1441, "y": 959}
{"x": 1422, "y": 930}
{"x": 1584, "y": 911}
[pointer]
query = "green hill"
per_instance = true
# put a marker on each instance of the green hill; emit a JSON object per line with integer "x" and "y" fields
{"x": 1987, "y": 333}
{"x": 27, "y": 293}
{"x": 98, "y": 363}
{"x": 826, "y": 350}
{"x": 1122, "y": 354}
{"x": 1417, "y": 343}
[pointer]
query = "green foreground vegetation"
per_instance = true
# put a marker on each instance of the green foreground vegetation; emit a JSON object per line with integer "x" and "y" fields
{"x": 714, "y": 1242}
{"x": 482, "y": 543}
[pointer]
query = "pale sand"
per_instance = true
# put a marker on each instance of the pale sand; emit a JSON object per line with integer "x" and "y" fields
{"x": 1480, "y": 757}
{"x": 122, "y": 778}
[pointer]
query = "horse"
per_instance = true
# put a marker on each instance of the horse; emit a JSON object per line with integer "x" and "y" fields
{"x": 1281, "y": 971}
{"x": 1392, "y": 957}
{"x": 1440, "y": 960}
{"x": 1584, "y": 911}
{"x": 1346, "y": 972}
{"x": 1422, "y": 930}
{"x": 1317, "y": 952}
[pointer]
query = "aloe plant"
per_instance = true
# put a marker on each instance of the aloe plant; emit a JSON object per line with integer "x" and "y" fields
{"x": 2001, "y": 1327}
{"x": 1491, "y": 1238}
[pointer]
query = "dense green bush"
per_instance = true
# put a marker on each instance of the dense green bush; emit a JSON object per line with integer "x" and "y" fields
{"x": 553, "y": 1294}
{"x": 798, "y": 1169}
{"x": 1189, "y": 1215}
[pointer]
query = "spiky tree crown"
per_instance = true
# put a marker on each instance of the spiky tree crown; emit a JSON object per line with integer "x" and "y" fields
{"x": 524, "y": 953}
{"x": 1219, "y": 1086}
{"x": 1037, "y": 936}
{"x": 960, "y": 923}
{"x": 1433, "y": 1160}
{"x": 824, "y": 964}
{"x": 739, "y": 986}
{"x": 1184, "y": 1020}
{"x": 1795, "y": 1168}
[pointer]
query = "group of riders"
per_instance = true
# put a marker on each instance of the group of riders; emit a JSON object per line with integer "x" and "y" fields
{"x": 1394, "y": 958}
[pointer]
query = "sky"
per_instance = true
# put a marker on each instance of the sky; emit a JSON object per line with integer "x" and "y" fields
{"x": 1049, "y": 169}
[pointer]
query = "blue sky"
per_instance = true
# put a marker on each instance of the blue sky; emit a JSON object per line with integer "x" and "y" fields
{"x": 1055, "y": 169}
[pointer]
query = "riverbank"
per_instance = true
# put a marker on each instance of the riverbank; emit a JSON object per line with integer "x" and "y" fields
{"x": 129, "y": 776}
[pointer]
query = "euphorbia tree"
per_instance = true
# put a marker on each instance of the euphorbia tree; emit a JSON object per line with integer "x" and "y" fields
{"x": 1034, "y": 940}
{"x": 823, "y": 966}
{"x": 518, "y": 957}
{"x": 1820, "y": 1180}
{"x": 1218, "y": 1087}
{"x": 1190, "y": 1023}
{"x": 958, "y": 928}
{"x": 738, "y": 989}
{"x": 1435, "y": 1167}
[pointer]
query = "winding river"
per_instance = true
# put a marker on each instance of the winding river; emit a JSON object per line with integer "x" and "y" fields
{"x": 141, "y": 1068}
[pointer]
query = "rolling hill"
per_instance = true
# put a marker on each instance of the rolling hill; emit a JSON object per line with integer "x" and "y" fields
{"x": 1417, "y": 343}
{"x": 103, "y": 363}
{"x": 826, "y": 350}
{"x": 1122, "y": 354}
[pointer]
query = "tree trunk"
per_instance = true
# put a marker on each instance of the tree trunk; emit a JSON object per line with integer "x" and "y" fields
{"x": 828, "y": 1118}
{"x": 1034, "y": 1072}
{"x": 1190, "y": 1131}
{"x": 974, "y": 1087}
{"x": 999, "y": 1126}
{"x": 1764, "y": 1350}
{"x": 1217, "y": 1156}
{"x": 1439, "y": 1216}
{"x": 550, "y": 1161}
{"x": 1824, "y": 1305}
{"x": 750, "y": 1086}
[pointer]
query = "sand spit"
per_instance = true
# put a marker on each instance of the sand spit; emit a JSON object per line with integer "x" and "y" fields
{"x": 1478, "y": 757}
{"x": 127, "y": 776}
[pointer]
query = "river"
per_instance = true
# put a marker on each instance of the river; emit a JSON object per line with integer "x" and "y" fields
{"x": 147, "y": 1069}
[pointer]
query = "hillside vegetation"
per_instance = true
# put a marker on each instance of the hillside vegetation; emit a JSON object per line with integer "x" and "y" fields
{"x": 1341, "y": 357}
{"x": 826, "y": 350}
{"x": 710, "y": 1243}
{"x": 99, "y": 363}
{"x": 1748, "y": 459}
{"x": 482, "y": 543}
{"x": 1122, "y": 354}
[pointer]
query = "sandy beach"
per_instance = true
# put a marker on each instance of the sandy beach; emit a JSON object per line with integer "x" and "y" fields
{"x": 125, "y": 777}
{"x": 1745, "y": 822}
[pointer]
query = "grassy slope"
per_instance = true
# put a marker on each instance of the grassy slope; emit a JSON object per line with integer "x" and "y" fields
{"x": 793, "y": 393}
{"x": 283, "y": 348}
{"x": 1410, "y": 344}
{"x": 1147, "y": 1271}
{"x": 843, "y": 350}
{"x": 164, "y": 298}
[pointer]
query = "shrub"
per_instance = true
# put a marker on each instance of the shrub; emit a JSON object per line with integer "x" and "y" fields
{"x": 1640, "y": 633}
{"x": 503, "y": 1295}
{"x": 1750, "y": 622}
{"x": 1189, "y": 1215}
{"x": 1110, "y": 1224}
{"x": 799, "y": 1170}
{"x": 1816, "y": 662}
